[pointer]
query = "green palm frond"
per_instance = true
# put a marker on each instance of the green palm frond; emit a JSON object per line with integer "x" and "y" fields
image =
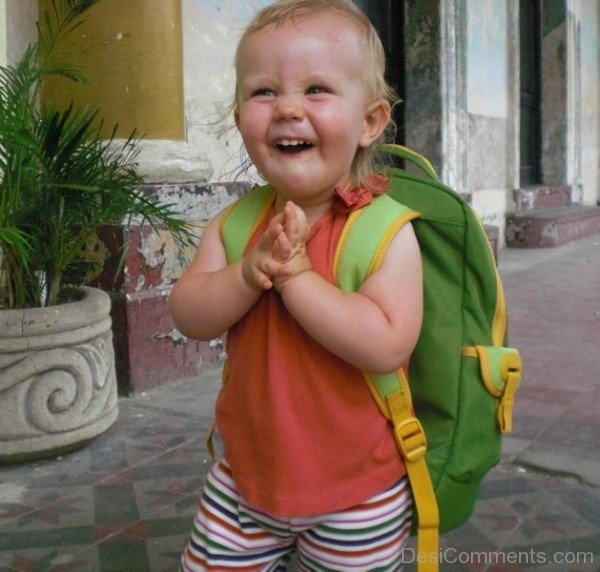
{"x": 59, "y": 180}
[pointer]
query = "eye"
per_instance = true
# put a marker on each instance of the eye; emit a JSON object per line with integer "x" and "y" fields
{"x": 317, "y": 90}
{"x": 263, "y": 92}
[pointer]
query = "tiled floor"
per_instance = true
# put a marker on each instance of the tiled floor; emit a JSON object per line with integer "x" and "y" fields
{"x": 126, "y": 501}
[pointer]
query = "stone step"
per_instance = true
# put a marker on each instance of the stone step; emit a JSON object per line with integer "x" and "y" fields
{"x": 493, "y": 235}
{"x": 552, "y": 226}
{"x": 541, "y": 197}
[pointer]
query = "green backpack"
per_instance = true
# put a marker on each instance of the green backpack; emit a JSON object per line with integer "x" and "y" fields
{"x": 450, "y": 413}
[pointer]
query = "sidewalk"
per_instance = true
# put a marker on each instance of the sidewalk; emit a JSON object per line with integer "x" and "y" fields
{"x": 126, "y": 501}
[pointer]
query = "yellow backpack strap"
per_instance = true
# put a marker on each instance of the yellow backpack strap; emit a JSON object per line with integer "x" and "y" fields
{"x": 392, "y": 392}
{"x": 411, "y": 441}
{"x": 361, "y": 249}
{"x": 241, "y": 219}
{"x": 413, "y": 157}
{"x": 365, "y": 239}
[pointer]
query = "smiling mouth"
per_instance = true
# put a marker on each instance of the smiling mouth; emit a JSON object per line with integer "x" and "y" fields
{"x": 293, "y": 145}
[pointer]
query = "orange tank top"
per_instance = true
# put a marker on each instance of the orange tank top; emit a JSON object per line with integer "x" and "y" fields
{"x": 300, "y": 429}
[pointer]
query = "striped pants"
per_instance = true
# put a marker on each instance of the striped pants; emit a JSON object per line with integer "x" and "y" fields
{"x": 229, "y": 535}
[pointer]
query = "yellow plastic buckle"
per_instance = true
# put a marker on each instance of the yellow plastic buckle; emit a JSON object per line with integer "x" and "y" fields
{"x": 410, "y": 438}
{"x": 511, "y": 374}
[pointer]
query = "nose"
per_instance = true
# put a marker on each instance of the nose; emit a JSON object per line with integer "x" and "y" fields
{"x": 289, "y": 108}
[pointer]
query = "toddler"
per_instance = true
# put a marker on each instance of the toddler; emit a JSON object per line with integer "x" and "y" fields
{"x": 310, "y": 464}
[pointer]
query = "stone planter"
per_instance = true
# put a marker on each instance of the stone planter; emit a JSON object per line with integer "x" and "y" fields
{"x": 58, "y": 387}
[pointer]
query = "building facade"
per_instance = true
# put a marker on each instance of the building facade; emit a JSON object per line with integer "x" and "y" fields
{"x": 503, "y": 96}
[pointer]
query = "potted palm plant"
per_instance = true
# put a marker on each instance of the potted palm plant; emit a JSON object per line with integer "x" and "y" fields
{"x": 59, "y": 183}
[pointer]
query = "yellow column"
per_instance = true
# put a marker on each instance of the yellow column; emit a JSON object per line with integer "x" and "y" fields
{"x": 132, "y": 53}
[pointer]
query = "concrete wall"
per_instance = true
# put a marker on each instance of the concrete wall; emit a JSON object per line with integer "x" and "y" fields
{"x": 211, "y": 30}
{"x": 590, "y": 101}
{"x": 423, "y": 104}
{"x": 554, "y": 92}
{"x": 2, "y": 32}
{"x": 21, "y": 16}
{"x": 487, "y": 99}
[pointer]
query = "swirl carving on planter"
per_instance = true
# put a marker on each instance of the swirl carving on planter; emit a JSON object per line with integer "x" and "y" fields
{"x": 60, "y": 383}
{"x": 62, "y": 388}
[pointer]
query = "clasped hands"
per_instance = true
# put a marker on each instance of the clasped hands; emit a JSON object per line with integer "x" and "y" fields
{"x": 280, "y": 254}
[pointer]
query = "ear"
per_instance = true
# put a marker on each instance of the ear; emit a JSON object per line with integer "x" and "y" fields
{"x": 377, "y": 117}
{"x": 236, "y": 116}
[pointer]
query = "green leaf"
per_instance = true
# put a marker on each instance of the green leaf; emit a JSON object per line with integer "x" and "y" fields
{"x": 60, "y": 179}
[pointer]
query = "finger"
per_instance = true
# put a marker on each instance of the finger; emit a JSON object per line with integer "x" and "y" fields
{"x": 263, "y": 280}
{"x": 279, "y": 218}
{"x": 302, "y": 224}
{"x": 282, "y": 270}
{"x": 291, "y": 222}
{"x": 282, "y": 248}
{"x": 269, "y": 237}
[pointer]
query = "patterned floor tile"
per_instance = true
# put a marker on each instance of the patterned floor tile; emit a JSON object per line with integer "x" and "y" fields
{"x": 153, "y": 544}
{"x": 544, "y": 519}
{"x": 505, "y": 482}
{"x": 115, "y": 503}
{"x": 46, "y": 538}
{"x": 63, "y": 471}
{"x": 123, "y": 556}
{"x": 127, "y": 500}
{"x": 65, "y": 508}
{"x": 569, "y": 555}
{"x": 165, "y": 526}
{"x": 164, "y": 554}
{"x": 18, "y": 500}
{"x": 173, "y": 495}
{"x": 496, "y": 521}
{"x": 586, "y": 501}
{"x": 62, "y": 559}
{"x": 184, "y": 398}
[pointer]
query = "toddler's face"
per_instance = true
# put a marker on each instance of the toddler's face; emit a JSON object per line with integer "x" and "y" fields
{"x": 302, "y": 105}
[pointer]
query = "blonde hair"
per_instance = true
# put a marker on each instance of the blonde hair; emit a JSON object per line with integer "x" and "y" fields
{"x": 284, "y": 11}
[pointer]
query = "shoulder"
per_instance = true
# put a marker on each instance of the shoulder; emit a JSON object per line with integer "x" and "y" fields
{"x": 367, "y": 237}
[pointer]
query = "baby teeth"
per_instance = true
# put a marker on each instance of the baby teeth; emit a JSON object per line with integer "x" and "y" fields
{"x": 292, "y": 142}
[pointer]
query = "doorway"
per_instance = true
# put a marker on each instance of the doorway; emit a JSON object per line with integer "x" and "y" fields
{"x": 530, "y": 88}
{"x": 388, "y": 18}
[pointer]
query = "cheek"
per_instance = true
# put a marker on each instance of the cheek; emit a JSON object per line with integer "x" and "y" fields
{"x": 341, "y": 123}
{"x": 252, "y": 132}
{"x": 251, "y": 116}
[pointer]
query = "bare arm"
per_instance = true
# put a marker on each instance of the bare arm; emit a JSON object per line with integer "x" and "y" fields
{"x": 377, "y": 327}
{"x": 211, "y": 295}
